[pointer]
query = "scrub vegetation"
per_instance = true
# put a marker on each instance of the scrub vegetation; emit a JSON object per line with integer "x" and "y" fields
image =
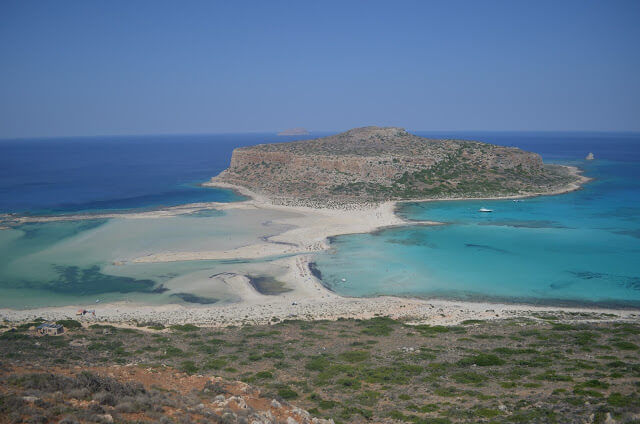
{"x": 545, "y": 369}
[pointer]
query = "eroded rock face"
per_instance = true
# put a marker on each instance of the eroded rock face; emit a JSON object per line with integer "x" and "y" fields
{"x": 374, "y": 164}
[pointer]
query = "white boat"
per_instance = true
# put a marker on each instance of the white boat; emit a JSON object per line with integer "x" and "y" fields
{"x": 485, "y": 210}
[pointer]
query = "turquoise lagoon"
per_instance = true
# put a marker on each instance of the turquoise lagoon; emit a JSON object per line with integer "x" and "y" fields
{"x": 578, "y": 248}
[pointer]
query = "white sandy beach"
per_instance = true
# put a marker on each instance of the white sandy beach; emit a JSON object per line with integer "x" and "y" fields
{"x": 307, "y": 232}
{"x": 321, "y": 305}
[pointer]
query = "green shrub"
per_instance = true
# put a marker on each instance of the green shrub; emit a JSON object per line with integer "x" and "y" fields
{"x": 102, "y": 327}
{"x": 184, "y": 327}
{"x": 446, "y": 391}
{"x": 426, "y": 329}
{"x": 595, "y": 384}
{"x": 327, "y": 404}
{"x": 215, "y": 364}
{"x": 510, "y": 351}
{"x": 172, "y": 351}
{"x": 69, "y": 323}
{"x": 468, "y": 377}
{"x": 482, "y": 360}
{"x": 619, "y": 400}
{"x": 317, "y": 363}
{"x": 287, "y": 393}
{"x": 274, "y": 354}
{"x": 430, "y": 407}
{"x": 368, "y": 398}
{"x": 624, "y": 345}
{"x": 157, "y": 327}
{"x": 115, "y": 348}
{"x": 378, "y": 327}
{"x": 189, "y": 367}
{"x": 264, "y": 375}
{"x": 13, "y": 335}
{"x": 485, "y": 413}
{"x": 355, "y": 356}
{"x": 552, "y": 376}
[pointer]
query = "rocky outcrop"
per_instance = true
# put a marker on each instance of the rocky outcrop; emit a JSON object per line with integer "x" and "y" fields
{"x": 374, "y": 164}
{"x": 138, "y": 394}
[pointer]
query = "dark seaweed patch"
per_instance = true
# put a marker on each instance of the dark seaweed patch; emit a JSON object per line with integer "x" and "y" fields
{"x": 485, "y": 247}
{"x": 413, "y": 239}
{"x": 313, "y": 267}
{"x": 525, "y": 224}
{"x": 226, "y": 274}
{"x": 160, "y": 289}
{"x": 205, "y": 213}
{"x": 625, "y": 213}
{"x": 633, "y": 233}
{"x": 588, "y": 275}
{"x": 192, "y": 298}
{"x": 630, "y": 282}
{"x": 89, "y": 281}
{"x": 267, "y": 285}
{"x": 36, "y": 229}
{"x": 267, "y": 239}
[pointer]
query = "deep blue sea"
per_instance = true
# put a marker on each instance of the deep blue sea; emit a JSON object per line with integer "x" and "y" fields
{"x": 99, "y": 173}
{"x": 582, "y": 247}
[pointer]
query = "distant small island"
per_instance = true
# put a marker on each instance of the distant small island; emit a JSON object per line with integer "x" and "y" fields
{"x": 294, "y": 131}
{"x": 374, "y": 164}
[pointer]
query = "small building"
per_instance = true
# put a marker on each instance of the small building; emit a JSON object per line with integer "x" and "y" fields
{"x": 49, "y": 329}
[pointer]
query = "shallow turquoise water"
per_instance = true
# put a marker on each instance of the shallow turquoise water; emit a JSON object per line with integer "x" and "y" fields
{"x": 578, "y": 248}
{"x": 79, "y": 262}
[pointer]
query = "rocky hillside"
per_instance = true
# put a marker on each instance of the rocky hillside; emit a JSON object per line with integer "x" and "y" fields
{"x": 373, "y": 164}
{"x": 133, "y": 394}
{"x": 551, "y": 367}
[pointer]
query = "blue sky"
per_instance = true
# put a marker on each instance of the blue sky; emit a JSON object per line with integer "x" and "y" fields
{"x": 158, "y": 67}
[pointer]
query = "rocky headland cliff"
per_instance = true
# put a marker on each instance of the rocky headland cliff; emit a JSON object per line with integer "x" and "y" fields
{"x": 374, "y": 164}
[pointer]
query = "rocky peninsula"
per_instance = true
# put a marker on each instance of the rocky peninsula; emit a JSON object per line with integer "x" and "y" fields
{"x": 375, "y": 164}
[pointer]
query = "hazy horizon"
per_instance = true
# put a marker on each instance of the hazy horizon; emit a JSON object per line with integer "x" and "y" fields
{"x": 320, "y": 133}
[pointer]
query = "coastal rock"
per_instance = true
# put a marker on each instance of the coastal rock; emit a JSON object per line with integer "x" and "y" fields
{"x": 374, "y": 164}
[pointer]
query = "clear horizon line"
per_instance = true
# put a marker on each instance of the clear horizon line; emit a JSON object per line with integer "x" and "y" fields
{"x": 275, "y": 133}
